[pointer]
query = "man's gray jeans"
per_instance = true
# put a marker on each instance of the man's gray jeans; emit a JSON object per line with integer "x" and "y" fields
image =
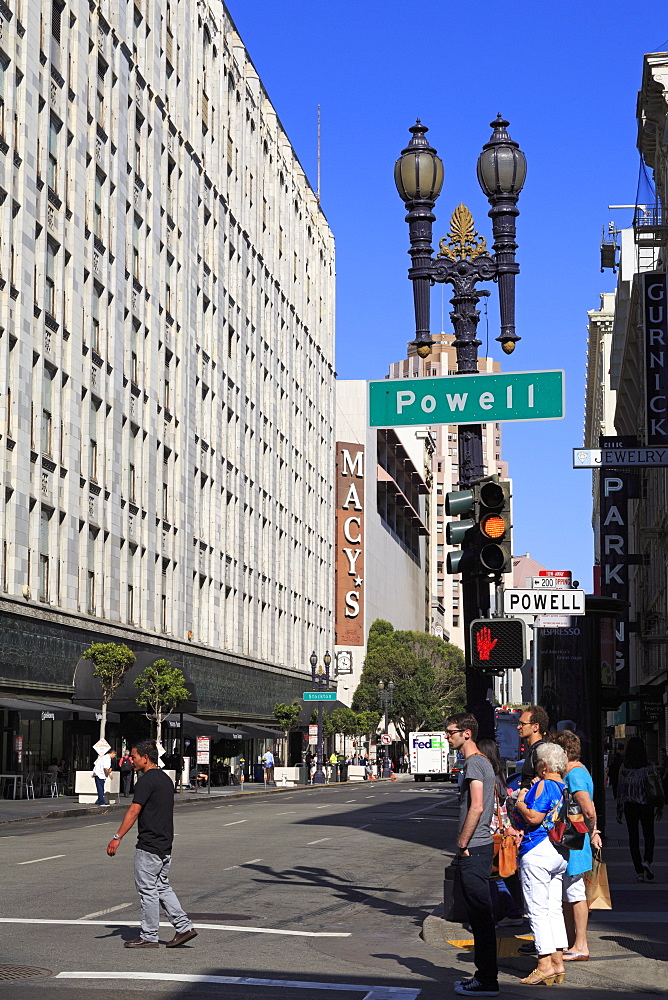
{"x": 152, "y": 882}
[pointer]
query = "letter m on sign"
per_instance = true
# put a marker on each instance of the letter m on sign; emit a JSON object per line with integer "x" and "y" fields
{"x": 352, "y": 466}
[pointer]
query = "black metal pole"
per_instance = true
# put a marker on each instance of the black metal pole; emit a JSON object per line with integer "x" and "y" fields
{"x": 319, "y": 776}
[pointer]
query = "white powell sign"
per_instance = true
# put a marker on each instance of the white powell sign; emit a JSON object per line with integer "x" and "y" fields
{"x": 544, "y": 602}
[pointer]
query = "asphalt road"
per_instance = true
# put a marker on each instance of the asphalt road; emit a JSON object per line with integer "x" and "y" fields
{"x": 299, "y": 896}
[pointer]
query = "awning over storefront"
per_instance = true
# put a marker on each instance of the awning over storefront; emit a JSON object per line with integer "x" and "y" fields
{"x": 52, "y": 711}
{"x": 204, "y": 727}
{"x": 260, "y": 733}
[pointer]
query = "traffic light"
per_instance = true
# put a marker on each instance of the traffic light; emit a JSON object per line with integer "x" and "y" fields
{"x": 484, "y": 528}
{"x": 497, "y": 644}
{"x": 494, "y": 525}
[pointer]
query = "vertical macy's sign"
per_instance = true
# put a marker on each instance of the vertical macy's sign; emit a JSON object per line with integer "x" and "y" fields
{"x": 349, "y": 544}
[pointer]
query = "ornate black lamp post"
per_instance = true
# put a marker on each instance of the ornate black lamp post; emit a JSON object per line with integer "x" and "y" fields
{"x": 463, "y": 260}
{"x": 320, "y": 675}
{"x": 386, "y": 696}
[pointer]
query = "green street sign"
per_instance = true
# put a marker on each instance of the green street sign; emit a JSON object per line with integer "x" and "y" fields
{"x": 467, "y": 399}
{"x": 319, "y": 695}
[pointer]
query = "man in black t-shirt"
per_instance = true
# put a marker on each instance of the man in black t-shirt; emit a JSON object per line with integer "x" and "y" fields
{"x": 533, "y": 725}
{"x": 153, "y": 804}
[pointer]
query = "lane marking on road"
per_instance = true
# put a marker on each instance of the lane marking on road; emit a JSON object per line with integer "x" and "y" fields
{"x": 290, "y": 812}
{"x": 365, "y": 827}
{"x": 235, "y": 822}
{"x": 103, "y": 913}
{"x": 241, "y": 865}
{"x": 89, "y": 825}
{"x": 321, "y": 841}
{"x": 327, "y": 805}
{"x": 35, "y": 861}
{"x": 199, "y": 927}
{"x": 373, "y": 992}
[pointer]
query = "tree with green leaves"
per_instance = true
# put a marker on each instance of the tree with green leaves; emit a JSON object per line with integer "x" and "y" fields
{"x": 287, "y": 717}
{"x": 111, "y": 661}
{"x": 428, "y": 675}
{"x": 161, "y": 688}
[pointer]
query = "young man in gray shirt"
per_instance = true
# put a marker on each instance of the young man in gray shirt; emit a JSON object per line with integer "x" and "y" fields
{"x": 475, "y": 851}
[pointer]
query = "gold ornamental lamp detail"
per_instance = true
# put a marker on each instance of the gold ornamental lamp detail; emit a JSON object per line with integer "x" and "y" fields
{"x": 462, "y": 241}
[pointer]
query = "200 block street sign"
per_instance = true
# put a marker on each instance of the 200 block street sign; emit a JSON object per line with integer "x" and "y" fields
{"x": 544, "y": 602}
{"x": 467, "y": 399}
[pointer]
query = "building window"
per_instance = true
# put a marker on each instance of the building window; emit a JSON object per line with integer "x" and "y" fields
{"x": 131, "y": 603}
{"x": 92, "y": 444}
{"x": 90, "y": 572}
{"x": 47, "y": 410}
{"x": 50, "y": 283}
{"x": 56, "y": 17}
{"x": 43, "y": 568}
{"x": 132, "y": 477}
{"x": 136, "y": 236}
{"x": 95, "y": 317}
{"x": 97, "y": 208}
{"x": 52, "y": 167}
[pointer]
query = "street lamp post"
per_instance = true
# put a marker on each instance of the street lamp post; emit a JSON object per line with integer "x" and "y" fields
{"x": 320, "y": 675}
{"x": 463, "y": 261}
{"x": 386, "y": 696}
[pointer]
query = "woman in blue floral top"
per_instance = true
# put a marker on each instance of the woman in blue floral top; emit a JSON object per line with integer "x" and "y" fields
{"x": 542, "y": 866}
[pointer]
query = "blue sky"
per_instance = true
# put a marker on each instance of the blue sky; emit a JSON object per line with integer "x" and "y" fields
{"x": 566, "y": 76}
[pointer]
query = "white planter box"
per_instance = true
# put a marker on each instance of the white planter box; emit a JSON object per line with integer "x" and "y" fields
{"x": 291, "y": 775}
{"x": 84, "y": 787}
{"x": 356, "y": 772}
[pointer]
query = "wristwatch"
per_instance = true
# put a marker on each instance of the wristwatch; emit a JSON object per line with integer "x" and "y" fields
{"x": 115, "y": 837}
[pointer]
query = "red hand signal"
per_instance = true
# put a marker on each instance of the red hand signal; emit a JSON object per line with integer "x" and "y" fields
{"x": 484, "y": 643}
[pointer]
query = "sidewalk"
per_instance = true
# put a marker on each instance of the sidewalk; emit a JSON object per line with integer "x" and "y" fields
{"x": 17, "y": 810}
{"x": 627, "y": 944}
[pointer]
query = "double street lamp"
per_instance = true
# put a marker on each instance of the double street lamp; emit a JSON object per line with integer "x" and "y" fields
{"x": 386, "y": 696}
{"x": 320, "y": 675}
{"x": 463, "y": 261}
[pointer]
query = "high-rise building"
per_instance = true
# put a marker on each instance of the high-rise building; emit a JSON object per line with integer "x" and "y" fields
{"x": 166, "y": 357}
{"x": 446, "y": 592}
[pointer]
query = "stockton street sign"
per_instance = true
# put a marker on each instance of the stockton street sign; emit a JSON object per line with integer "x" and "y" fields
{"x": 319, "y": 695}
{"x": 467, "y": 399}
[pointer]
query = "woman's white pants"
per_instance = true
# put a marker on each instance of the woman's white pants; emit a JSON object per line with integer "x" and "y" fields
{"x": 541, "y": 872}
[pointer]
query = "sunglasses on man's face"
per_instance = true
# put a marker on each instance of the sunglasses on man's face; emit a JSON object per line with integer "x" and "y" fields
{"x": 451, "y": 732}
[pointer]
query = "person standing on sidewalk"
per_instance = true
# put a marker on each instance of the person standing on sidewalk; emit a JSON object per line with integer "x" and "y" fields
{"x": 475, "y": 853}
{"x": 574, "y": 896}
{"x": 153, "y": 805}
{"x": 102, "y": 771}
{"x": 640, "y": 799}
{"x": 533, "y": 724}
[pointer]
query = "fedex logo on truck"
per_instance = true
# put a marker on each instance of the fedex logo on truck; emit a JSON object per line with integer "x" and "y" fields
{"x": 430, "y": 744}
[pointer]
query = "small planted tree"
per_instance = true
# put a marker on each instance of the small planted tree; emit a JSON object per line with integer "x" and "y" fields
{"x": 161, "y": 688}
{"x": 287, "y": 717}
{"x": 111, "y": 661}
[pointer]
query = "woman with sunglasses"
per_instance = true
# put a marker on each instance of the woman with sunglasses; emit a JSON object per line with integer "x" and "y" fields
{"x": 542, "y": 866}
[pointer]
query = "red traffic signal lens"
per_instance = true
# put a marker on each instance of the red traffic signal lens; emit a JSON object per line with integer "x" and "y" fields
{"x": 492, "y": 495}
{"x": 493, "y": 526}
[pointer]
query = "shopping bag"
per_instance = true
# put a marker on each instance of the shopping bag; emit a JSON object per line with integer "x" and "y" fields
{"x": 507, "y": 856}
{"x": 597, "y": 886}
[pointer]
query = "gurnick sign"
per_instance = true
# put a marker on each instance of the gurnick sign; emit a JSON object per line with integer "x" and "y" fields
{"x": 655, "y": 317}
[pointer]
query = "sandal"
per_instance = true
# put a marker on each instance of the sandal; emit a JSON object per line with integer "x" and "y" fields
{"x": 542, "y": 978}
{"x": 575, "y": 956}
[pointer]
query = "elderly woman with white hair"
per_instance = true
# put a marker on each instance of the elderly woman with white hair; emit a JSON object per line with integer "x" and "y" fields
{"x": 542, "y": 865}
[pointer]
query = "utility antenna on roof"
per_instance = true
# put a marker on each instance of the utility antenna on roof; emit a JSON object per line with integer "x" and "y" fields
{"x": 318, "y": 192}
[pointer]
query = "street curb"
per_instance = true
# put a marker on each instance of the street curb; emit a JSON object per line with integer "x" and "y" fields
{"x": 203, "y": 800}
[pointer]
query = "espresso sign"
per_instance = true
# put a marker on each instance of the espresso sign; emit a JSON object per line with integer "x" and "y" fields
{"x": 349, "y": 544}
{"x": 655, "y": 316}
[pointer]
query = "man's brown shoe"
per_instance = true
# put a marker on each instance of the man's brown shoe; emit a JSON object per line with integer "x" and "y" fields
{"x": 182, "y": 938}
{"x": 140, "y": 943}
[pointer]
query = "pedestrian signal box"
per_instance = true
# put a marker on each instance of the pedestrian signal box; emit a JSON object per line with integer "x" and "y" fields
{"x": 497, "y": 644}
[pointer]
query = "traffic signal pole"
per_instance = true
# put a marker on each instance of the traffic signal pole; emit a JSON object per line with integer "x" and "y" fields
{"x": 462, "y": 262}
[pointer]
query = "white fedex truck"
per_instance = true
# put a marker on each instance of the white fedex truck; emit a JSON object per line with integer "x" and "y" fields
{"x": 429, "y": 756}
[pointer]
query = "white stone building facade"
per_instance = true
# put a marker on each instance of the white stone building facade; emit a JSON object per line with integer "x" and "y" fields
{"x": 166, "y": 337}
